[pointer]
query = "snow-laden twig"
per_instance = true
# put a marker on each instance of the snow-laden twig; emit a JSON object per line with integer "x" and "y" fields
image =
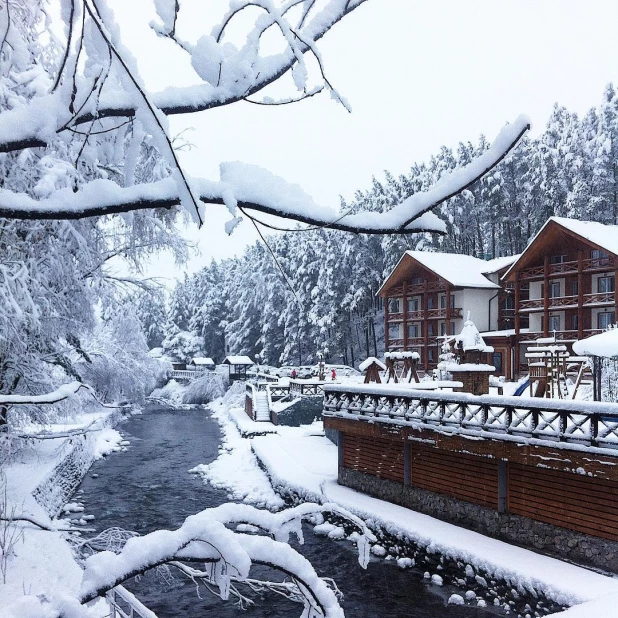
{"x": 253, "y": 188}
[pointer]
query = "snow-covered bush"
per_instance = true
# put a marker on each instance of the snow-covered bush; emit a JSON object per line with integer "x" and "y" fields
{"x": 204, "y": 388}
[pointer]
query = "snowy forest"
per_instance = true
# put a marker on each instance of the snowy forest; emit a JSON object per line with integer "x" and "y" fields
{"x": 317, "y": 294}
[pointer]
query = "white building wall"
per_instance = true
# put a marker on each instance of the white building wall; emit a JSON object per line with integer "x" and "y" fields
{"x": 476, "y": 301}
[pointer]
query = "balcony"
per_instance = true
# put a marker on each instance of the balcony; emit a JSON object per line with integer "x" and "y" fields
{"x": 568, "y": 302}
{"x": 567, "y": 268}
{"x": 560, "y": 335}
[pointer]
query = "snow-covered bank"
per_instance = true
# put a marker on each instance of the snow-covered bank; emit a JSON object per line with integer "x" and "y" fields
{"x": 302, "y": 463}
{"x": 39, "y": 481}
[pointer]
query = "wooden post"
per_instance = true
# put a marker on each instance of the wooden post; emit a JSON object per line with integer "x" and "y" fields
{"x": 407, "y": 464}
{"x": 515, "y": 369}
{"x": 546, "y": 297}
{"x": 503, "y": 487}
{"x": 386, "y": 341}
{"x": 405, "y": 315}
{"x": 425, "y": 326}
{"x": 448, "y": 309}
{"x": 615, "y": 295}
{"x": 580, "y": 294}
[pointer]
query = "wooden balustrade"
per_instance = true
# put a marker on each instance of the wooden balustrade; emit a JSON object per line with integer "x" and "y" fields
{"x": 567, "y": 268}
{"x": 306, "y": 389}
{"x": 573, "y": 423}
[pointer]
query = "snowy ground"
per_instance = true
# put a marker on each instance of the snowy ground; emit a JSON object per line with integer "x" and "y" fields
{"x": 302, "y": 461}
{"x": 41, "y": 562}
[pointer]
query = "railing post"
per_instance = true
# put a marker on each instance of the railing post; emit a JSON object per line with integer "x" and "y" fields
{"x": 503, "y": 488}
{"x": 594, "y": 429}
{"x": 563, "y": 426}
{"x": 508, "y": 414}
{"x": 407, "y": 463}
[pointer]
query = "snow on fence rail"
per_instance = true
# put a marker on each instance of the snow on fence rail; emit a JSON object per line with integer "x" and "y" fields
{"x": 574, "y": 423}
{"x": 306, "y": 388}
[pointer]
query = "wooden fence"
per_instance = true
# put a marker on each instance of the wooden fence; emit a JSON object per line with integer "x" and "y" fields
{"x": 517, "y": 418}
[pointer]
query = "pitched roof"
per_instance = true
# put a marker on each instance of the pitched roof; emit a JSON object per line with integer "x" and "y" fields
{"x": 459, "y": 270}
{"x": 238, "y": 360}
{"x": 493, "y": 266}
{"x": 202, "y": 360}
{"x": 599, "y": 234}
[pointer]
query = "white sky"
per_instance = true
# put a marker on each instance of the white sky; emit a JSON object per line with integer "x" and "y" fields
{"x": 418, "y": 74}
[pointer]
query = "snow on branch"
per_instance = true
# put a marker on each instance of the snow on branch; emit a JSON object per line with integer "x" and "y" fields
{"x": 204, "y": 538}
{"x": 36, "y": 124}
{"x": 252, "y": 188}
{"x": 60, "y": 394}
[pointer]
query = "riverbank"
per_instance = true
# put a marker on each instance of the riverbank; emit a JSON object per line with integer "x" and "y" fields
{"x": 39, "y": 478}
{"x": 301, "y": 464}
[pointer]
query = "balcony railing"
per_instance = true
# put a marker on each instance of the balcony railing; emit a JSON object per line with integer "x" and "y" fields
{"x": 306, "y": 389}
{"x": 561, "y": 335}
{"x": 565, "y": 302}
{"x": 567, "y": 268}
{"x": 592, "y": 424}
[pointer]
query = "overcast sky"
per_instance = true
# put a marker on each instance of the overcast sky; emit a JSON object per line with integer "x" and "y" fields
{"x": 418, "y": 74}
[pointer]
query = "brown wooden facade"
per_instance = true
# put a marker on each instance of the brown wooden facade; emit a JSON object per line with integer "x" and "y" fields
{"x": 420, "y": 307}
{"x": 568, "y": 489}
{"x": 563, "y": 286}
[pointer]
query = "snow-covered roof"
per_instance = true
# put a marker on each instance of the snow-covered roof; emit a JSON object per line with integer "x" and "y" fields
{"x": 156, "y": 353}
{"x": 367, "y": 363}
{"x": 202, "y": 360}
{"x": 605, "y": 236}
{"x": 238, "y": 360}
{"x": 604, "y": 344}
{"x": 459, "y": 270}
{"x": 493, "y": 266}
{"x": 471, "y": 338}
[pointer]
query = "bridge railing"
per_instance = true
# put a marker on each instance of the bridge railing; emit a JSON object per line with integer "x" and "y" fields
{"x": 306, "y": 388}
{"x": 185, "y": 374}
{"x": 572, "y": 422}
{"x": 123, "y": 604}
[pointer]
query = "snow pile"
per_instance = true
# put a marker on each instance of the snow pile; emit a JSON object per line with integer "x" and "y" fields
{"x": 470, "y": 339}
{"x": 236, "y": 469}
{"x": 604, "y": 345}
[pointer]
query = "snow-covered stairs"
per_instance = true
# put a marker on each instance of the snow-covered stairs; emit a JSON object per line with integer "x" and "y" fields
{"x": 260, "y": 404}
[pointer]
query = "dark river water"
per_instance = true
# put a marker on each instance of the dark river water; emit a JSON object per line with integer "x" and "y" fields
{"x": 149, "y": 487}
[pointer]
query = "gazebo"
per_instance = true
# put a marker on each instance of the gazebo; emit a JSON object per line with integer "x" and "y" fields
{"x": 199, "y": 363}
{"x": 237, "y": 367}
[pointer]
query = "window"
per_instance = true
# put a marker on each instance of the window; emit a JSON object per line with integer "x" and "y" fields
{"x": 509, "y": 302}
{"x": 442, "y": 302}
{"x": 557, "y": 259}
{"x": 606, "y": 319}
{"x": 413, "y": 305}
{"x": 394, "y": 331}
{"x": 413, "y": 331}
{"x": 496, "y": 361}
{"x": 574, "y": 322}
{"x": 575, "y": 288}
{"x": 606, "y": 284}
{"x": 431, "y": 355}
{"x": 430, "y": 329}
{"x": 452, "y": 328}
{"x": 417, "y": 281}
{"x": 597, "y": 254}
{"x": 442, "y": 329}
{"x": 554, "y": 289}
{"x": 394, "y": 305}
{"x": 430, "y": 302}
{"x": 554, "y": 323}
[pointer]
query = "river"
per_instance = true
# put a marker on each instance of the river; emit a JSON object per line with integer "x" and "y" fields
{"x": 149, "y": 487}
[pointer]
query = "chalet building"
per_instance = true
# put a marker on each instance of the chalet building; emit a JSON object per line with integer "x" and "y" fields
{"x": 564, "y": 283}
{"x": 429, "y": 295}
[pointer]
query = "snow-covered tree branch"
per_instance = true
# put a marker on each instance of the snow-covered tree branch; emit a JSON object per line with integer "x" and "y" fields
{"x": 89, "y": 103}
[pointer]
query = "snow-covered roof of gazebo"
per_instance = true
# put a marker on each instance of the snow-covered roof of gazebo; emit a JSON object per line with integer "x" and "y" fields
{"x": 471, "y": 338}
{"x": 238, "y": 360}
{"x": 370, "y": 361}
{"x": 604, "y": 344}
{"x": 202, "y": 360}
